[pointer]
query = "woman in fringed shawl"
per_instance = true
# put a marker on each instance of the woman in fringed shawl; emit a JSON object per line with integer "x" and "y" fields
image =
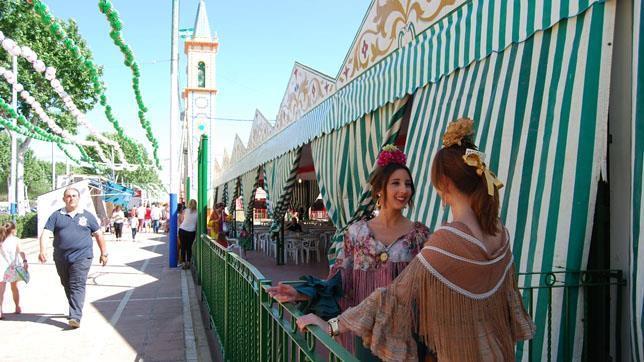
{"x": 374, "y": 251}
{"x": 458, "y": 297}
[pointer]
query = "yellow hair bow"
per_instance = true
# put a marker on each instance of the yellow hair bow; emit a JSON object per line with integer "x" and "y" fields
{"x": 473, "y": 158}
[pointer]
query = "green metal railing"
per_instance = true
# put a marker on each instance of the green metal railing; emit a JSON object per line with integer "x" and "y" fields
{"x": 561, "y": 290}
{"x": 249, "y": 324}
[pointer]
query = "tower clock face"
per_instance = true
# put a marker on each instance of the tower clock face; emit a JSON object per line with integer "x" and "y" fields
{"x": 201, "y": 122}
{"x": 201, "y": 102}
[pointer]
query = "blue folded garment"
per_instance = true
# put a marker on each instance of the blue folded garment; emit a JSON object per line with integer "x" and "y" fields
{"x": 323, "y": 294}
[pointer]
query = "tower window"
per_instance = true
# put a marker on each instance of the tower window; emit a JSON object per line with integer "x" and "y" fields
{"x": 201, "y": 75}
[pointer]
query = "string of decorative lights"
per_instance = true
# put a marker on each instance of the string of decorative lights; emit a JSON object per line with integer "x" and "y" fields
{"x": 116, "y": 25}
{"x": 39, "y": 66}
{"x": 59, "y": 34}
{"x": 35, "y": 105}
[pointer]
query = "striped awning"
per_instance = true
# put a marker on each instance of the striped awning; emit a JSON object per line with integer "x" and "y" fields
{"x": 292, "y": 137}
{"x": 249, "y": 183}
{"x": 344, "y": 160}
{"x": 470, "y": 33}
{"x": 280, "y": 176}
{"x": 234, "y": 190}
{"x": 224, "y": 194}
{"x": 637, "y": 205}
{"x": 540, "y": 108}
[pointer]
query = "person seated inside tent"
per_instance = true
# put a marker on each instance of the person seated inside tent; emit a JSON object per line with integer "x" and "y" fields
{"x": 294, "y": 225}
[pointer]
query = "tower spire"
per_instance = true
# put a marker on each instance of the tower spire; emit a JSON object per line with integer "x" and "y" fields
{"x": 202, "y": 26}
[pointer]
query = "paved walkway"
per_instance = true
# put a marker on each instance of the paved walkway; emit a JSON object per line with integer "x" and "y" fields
{"x": 136, "y": 309}
{"x": 277, "y": 273}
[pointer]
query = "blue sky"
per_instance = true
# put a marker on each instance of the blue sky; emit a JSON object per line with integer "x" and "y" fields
{"x": 259, "y": 42}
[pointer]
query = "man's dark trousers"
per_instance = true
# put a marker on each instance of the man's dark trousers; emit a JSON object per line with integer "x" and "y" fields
{"x": 73, "y": 277}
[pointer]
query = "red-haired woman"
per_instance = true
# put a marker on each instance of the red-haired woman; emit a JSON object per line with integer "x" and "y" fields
{"x": 375, "y": 251}
{"x": 459, "y": 296}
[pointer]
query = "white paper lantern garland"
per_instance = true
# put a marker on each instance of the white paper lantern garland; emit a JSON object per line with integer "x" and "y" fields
{"x": 35, "y": 105}
{"x": 50, "y": 74}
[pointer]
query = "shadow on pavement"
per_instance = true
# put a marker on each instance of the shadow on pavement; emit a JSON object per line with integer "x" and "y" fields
{"x": 147, "y": 316}
{"x": 38, "y": 318}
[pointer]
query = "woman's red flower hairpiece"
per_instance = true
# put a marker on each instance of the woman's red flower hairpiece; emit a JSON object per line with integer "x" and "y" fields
{"x": 391, "y": 154}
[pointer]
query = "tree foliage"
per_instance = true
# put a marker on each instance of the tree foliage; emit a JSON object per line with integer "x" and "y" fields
{"x": 20, "y": 23}
{"x": 143, "y": 176}
{"x": 37, "y": 172}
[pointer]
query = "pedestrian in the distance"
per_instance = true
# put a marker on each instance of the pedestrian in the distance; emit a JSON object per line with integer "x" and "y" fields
{"x": 155, "y": 215}
{"x": 11, "y": 259}
{"x": 118, "y": 218}
{"x": 134, "y": 225}
{"x": 148, "y": 218}
{"x": 140, "y": 214}
{"x": 73, "y": 228}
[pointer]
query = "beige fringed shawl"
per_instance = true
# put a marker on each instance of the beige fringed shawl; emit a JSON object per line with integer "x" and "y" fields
{"x": 458, "y": 297}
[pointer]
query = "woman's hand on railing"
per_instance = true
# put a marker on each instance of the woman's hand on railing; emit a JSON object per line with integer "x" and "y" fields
{"x": 311, "y": 319}
{"x": 285, "y": 293}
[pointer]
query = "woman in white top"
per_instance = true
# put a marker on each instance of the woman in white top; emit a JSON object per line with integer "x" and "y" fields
{"x": 118, "y": 217}
{"x": 10, "y": 255}
{"x": 188, "y": 231}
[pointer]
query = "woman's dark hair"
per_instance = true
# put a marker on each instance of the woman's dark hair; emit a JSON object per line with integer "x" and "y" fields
{"x": 380, "y": 177}
{"x": 448, "y": 163}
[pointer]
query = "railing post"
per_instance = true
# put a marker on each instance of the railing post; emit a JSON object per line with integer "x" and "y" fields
{"x": 202, "y": 195}
{"x": 226, "y": 304}
{"x": 279, "y": 248}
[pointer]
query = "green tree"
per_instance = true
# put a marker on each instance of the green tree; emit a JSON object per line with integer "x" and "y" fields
{"x": 20, "y": 23}
{"x": 142, "y": 176}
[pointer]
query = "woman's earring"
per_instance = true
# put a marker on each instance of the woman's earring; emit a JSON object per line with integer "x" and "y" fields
{"x": 378, "y": 201}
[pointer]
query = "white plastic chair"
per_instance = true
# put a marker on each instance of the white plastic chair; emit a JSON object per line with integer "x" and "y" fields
{"x": 311, "y": 245}
{"x": 293, "y": 247}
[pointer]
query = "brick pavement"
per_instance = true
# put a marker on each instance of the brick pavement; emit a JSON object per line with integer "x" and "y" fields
{"x": 277, "y": 273}
{"x": 135, "y": 310}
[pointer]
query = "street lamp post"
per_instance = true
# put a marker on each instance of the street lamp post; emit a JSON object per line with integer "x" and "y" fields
{"x": 13, "y": 183}
{"x": 174, "y": 123}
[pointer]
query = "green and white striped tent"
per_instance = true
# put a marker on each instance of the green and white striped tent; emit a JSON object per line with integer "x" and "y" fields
{"x": 280, "y": 175}
{"x": 541, "y": 112}
{"x": 534, "y": 75}
{"x": 344, "y": 160}
{"x": 249, "y": 183}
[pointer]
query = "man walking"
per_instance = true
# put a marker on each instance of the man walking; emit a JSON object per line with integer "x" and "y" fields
{"x": 73, "y": 228}
{"x": 140, "y": 214}
{"x": 155, "y": 214}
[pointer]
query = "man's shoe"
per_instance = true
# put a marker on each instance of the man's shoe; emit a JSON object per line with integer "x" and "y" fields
{"x": 74, "y": 323}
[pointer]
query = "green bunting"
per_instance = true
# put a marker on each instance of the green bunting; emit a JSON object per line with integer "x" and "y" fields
{"x": 116, "y": 25}
{"x": 59, "y": 33}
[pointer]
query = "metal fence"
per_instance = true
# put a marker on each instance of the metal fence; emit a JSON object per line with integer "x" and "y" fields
{"x": 249, "y": 324}
{"x": 600, "y": 292}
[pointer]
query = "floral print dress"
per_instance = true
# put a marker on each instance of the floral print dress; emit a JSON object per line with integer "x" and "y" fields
{"x": 366, "y": 263}
{"x": 9, "y": 260}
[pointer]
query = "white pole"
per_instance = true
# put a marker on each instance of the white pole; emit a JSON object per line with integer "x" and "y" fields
{"x": 53, "y": 168}
{"x": 174, "y": 97}
{"x": 174, "y": 123}
{"x": 13, "y": 183}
